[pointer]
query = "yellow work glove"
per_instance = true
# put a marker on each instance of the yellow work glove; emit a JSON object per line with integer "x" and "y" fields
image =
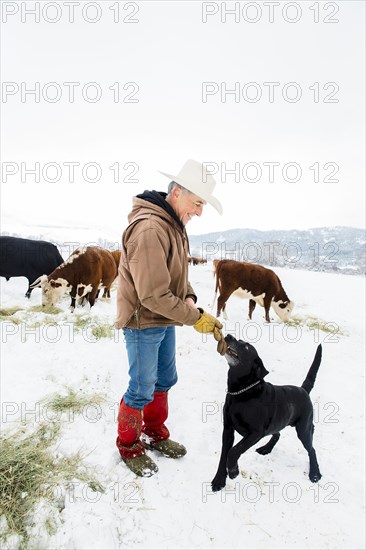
{"x": 208, "y": 323}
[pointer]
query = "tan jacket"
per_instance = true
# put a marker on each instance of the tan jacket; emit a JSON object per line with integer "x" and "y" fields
{"x": 153, "y": 271}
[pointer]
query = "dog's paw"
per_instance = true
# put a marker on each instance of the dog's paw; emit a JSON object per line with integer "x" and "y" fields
{"x": 315, "y": 476}
{"x": 218, "y": 483}
{"x": 233, "y": 472}
{"x": 263, "y": 450}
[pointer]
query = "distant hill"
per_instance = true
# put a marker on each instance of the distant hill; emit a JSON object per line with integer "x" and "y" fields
{"x": 332, "y": 249}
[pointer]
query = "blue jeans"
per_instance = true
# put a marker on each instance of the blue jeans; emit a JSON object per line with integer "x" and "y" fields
{"x": 151, "y": 357}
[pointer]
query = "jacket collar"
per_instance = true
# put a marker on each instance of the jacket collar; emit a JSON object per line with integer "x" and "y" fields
{"x": 158, "y": 198}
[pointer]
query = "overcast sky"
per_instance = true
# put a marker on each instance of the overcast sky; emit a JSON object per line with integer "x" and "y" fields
{"x": 293, "y": 129}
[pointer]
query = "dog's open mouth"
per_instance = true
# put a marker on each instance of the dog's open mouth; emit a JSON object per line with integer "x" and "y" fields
{"x": 232, "y": 353}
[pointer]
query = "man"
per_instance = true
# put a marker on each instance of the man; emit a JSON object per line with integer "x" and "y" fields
{"x": 154, "y": 296}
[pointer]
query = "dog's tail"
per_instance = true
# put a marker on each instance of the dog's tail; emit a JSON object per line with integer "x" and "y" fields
{"x": 309, "y": 381}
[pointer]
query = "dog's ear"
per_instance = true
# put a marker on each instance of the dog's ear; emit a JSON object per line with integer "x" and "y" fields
{"x": 261, "y": 369}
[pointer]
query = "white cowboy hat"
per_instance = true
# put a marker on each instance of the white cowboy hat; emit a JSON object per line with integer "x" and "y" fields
{"x": 194, "y": 178}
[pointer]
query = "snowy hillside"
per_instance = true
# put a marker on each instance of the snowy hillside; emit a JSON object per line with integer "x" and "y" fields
{"x": 271, "y": 504}
{"x": 330, "y": 249}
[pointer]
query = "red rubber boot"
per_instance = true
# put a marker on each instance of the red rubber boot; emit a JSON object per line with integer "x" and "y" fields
{"x": 129, "y": 444}
{"x": 155, "y": 433}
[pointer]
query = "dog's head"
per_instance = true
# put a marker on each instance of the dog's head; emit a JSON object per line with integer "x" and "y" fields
{"x": 243, "y": 360}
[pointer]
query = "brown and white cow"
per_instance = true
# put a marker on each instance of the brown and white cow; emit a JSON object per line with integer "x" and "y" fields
{"x": 87, "y": 269}
{"x": 254, "y": 282}
{"x": 214, "y": 265}
{"x": 198, "y": 261}
{"x": 116, "y": 256}
{"x": 195, "y": 261}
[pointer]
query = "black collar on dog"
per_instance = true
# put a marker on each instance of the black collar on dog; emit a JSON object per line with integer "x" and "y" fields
{"x": 242, "y": 391}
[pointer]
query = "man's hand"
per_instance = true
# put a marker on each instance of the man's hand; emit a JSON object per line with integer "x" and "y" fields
{"x": 208, "y": 323}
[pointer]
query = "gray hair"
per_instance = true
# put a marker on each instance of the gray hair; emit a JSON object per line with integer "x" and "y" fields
{"x": 173, "y": 184}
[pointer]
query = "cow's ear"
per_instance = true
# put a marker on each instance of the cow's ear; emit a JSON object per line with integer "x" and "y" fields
{"x": 261, "y": 369}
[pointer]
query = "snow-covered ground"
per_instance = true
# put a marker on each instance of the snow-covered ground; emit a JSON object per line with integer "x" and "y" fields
{"x": 271, "y": 504}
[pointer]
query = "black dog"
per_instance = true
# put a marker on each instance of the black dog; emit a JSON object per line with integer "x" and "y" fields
{"x": 255, "y": 409}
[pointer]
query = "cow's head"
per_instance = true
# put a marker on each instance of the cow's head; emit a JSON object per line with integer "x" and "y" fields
{"x": 52, "y": 290}
{"x": 283, "y": 309}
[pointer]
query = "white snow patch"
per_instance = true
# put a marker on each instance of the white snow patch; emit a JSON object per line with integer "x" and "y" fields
{"x": 271, "y": 504}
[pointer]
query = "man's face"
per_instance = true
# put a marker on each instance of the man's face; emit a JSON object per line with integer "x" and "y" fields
{"x": 188, "y": 205}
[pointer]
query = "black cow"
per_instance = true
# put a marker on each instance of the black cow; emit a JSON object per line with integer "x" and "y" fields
{"x": 27, "y": 258}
